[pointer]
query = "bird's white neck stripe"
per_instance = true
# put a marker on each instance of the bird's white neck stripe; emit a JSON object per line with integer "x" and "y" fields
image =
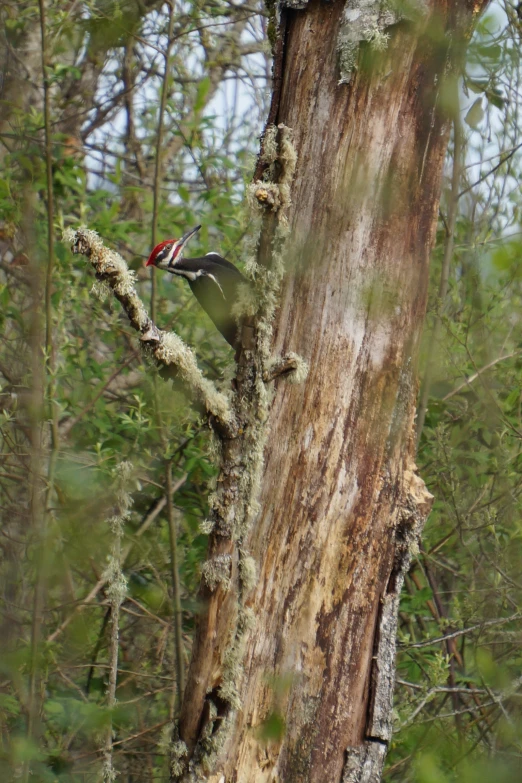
{"x": 169, "y": 258}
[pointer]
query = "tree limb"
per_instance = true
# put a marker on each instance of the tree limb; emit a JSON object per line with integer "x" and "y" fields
{"x": 167, "y": 349}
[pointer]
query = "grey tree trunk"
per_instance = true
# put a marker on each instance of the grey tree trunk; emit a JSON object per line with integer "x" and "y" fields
{"x": 341, "y": 506}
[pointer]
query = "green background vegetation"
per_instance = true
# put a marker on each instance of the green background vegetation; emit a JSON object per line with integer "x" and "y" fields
{"x": 77, "y": 400}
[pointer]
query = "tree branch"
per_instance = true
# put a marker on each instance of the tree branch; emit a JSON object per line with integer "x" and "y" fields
{"x": 462, "y": 631}
{"x": 167, "y": 349}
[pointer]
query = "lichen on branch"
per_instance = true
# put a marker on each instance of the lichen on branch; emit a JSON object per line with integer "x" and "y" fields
{"x": 368, "y": 21}
{"x": 214, "y": 681}
{"x": 167, "y": 349}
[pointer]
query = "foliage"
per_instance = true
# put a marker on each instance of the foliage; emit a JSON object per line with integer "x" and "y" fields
{"x": 105, "y": 72}
{"x": 458, "y": 700}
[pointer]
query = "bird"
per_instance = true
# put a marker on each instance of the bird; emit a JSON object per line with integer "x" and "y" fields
{"x": 214, "y": 281}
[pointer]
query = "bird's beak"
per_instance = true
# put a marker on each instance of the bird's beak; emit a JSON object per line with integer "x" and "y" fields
{"x": 185, "y": 238}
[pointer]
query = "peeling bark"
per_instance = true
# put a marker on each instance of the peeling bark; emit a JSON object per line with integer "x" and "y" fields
{"x": 341, "y": 507}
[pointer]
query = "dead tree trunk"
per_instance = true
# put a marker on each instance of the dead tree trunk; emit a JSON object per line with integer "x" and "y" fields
{"x": 341, "y": 506}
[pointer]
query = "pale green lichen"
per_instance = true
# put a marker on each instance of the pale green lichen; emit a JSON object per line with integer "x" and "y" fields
{"x": 100, "y": 290}
{"x": 206, "y": 526}
{"x": 113, "y": 574}
{"x": 178, "y": 754}
{"x": 247, "y": 572}
{"x": 292, "y": 367}
{"x": 232, "y": 674}
{"x": 252, "y": 230}
{"x": 174, "y": 748}
{"x": 302, "y": 368}
{"x": 165, "y": 739}
{"x": 270, "y": 152}
{"x": 106, "y": 261}
{"x": 172, "y": 350}
{"x": 378, "y": 40}
{"x": 367, "y": 21}
{"x": 247, "y": 619}
{"x": 116, "y": 591}
{"x": 263, "y": 195}
{"x": 116, "y": 582}
{"x": 234, "y": 503}
{"x": 214, "y": 447}
{"x": 212, "y": 742}
{"x": 278, "y": 145}
{"x": 288, "y": 160}
{"x": 251, "y": 476}
{"x": 268, "y": 283}
{"x": 246, "y": 303}
{"x": 363, "y": 20}
{"x": 214, "y": 501}
{"x": 216, "y": 572}
{"x": 233, "y": 670}
{"x": 109, "y": 774}
{"x": 123, "y": 474}
{"x": 206, "y": 735}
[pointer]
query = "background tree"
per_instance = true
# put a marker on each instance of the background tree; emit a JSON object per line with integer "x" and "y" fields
{"x": 457, "y": 699}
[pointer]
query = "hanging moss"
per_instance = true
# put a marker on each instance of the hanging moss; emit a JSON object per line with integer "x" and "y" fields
{"x": 216, "y": 572}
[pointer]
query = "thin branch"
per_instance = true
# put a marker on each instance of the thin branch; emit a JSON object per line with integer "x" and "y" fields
{"x": 463, "y": 631}
{"x": 439, "y": 688}
{"x": 475, "y": 375}
{"x": 505, "y": 156}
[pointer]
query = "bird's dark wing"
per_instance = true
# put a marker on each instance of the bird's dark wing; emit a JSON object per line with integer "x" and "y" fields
{"x": 214, "y": 283}
{"x": 217, "y": 259}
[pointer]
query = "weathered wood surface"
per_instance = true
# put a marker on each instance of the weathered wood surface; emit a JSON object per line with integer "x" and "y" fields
{"x": 340, "y": 501}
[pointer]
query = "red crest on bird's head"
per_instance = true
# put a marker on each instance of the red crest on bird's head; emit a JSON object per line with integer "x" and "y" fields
{"x": 167, "y": 252}
{"x": 159, "y": 251}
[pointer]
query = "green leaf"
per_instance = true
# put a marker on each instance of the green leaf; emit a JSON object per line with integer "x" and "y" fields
{"x": 475, "y": 115}
{"x": 201, "y": 94}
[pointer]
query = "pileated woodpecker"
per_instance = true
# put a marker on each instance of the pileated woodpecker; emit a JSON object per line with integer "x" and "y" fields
{"x": 214, "y": 280}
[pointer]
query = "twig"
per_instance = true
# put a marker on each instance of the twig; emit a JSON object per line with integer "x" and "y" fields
{"x": 463, "y": 631}
{"x": 475, "y": 375}
{"x": 440, "y": 688}
{"x": 148, "y": 730}
{"x": 505, "y": 156}
{"x": 144, "y": 612}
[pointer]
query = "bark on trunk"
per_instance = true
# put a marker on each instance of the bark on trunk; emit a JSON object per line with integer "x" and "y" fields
{"x": 341, "y": 505}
